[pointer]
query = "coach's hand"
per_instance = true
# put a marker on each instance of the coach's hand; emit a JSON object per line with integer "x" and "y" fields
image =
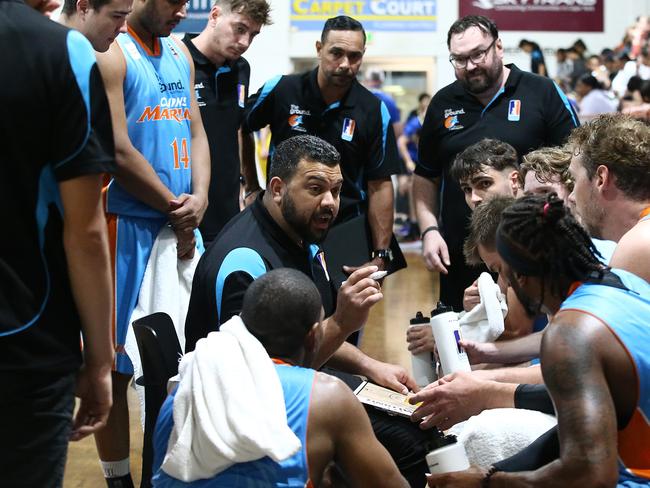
{"x": 356, "y": 296}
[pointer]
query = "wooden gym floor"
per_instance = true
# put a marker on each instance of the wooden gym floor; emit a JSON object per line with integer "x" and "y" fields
{"x": 384, "y": 338}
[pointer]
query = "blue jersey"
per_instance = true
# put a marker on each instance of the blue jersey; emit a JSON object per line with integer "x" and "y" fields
{"x": 625, "y": 313}
{"x": 157, "y": 103}
{"x": 264, "y": 473}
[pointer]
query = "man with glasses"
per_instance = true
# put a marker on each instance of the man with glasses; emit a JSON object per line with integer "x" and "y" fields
{"x": 488, "y": 99}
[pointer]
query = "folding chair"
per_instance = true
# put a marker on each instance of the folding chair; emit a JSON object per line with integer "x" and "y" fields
{"x": 160, "y": 352}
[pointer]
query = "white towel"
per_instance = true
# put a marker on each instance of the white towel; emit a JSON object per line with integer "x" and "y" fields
{"x": 229, "y": 407}
{"x": 499, "y": 433}
{"x": 166, "y": 287}
{"x": 484, "y": 323}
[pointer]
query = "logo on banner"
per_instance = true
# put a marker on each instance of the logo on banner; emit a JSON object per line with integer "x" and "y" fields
{"x": 539, "y": 15}
{"x": 295, "y": 122}
{"x": 241, "y": 95}
{"x": 514, "y": 110}
{"x": 348, "y": 129}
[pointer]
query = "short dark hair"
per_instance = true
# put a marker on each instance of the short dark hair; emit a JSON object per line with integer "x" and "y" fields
{"x": 259, "y": 11}
{"x": 623, "y": 145}
{"x": 290, "y": 152}
{"x": 538, "y": 236}
{"x": 422, "y": 96}
{"x": 483, "y": 23}
{"x": 483, "y": 227}
{"x": 342, "y": 23}
{"x": 70, "y": 6}
{"x": 591, "y": 81}
{"x": 487, "y": 152}
{"x": 280, "y": 308}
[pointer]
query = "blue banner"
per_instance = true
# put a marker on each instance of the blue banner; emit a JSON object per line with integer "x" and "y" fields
{"x": 375, "y": 15}
{"x": 197, "y": 16}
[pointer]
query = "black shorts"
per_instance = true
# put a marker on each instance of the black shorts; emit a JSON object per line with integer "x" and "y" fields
{"x": 35, "y": 421}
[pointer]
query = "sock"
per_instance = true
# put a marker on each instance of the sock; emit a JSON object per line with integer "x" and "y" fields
{"x": 116, "y": 469}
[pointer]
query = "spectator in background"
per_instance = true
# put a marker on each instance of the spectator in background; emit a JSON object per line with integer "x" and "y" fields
{"x": 632, "y": 95}
{"x": 639, "y": 67}
{"x": 564, "y": 69}
{"x": 579, "y": 66}
{"x": 537, "y": 63}
{"x": 642, "y": 110}
{"x": 598, "y": 70}
{"x": 593, "y": 98}
{"x": 407, "y": 144}
{"x": 374, "y": 82}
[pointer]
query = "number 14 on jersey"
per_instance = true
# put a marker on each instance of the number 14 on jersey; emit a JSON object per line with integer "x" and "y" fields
{"x": 182, "y": 156}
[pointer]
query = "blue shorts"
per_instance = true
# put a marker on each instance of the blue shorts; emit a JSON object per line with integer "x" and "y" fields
{"x": 131, "y": 240}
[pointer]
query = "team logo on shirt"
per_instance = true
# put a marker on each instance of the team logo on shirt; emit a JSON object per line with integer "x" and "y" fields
{"x": 514, "y": 110}
{"x": 241, "y": 95}
{"x": 451, "y": 119}
{"x": 170, "y": 108}
{"x": 295, "y": 122}
{"x": 199, "y": 99}
{"x": 347, "y": 132}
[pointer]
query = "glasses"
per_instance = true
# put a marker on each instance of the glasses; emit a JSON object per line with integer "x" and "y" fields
{"x": 478, "y": 57}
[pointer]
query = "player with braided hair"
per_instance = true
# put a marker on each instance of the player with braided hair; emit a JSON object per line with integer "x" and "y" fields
{"x": 567, "y": 255}
{"x": 595, "y": 347}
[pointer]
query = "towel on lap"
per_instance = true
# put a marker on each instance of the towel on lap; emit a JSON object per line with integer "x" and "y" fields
{"x": 499, "y": 433}
{"x": 229, "y": 407}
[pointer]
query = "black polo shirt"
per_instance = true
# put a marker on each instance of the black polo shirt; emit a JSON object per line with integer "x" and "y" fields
{"x": 56, "y": 128}
{"x": 529, "y": 112}
{"x": 357, "y": 125}
{"x": 249, "y": 246}
{"x": 221, "y": 93}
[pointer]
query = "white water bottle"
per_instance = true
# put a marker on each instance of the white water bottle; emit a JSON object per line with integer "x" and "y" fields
{"x": 447, "y": 455}
{"x": 422, "y": 363}
{"x": 446, "y": 332}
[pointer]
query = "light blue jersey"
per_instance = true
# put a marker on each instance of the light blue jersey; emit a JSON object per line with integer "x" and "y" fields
{"x": 264, "y": 473}
{"x": 157, "y": 104}
{"x": 625, "y": 312}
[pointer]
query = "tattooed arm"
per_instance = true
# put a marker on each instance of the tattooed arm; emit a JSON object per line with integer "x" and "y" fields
{"x": 573, "y": 355}
{"x": 573, "y": 369}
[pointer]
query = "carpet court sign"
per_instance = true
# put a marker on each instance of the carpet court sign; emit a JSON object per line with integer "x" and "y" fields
{"x": 539, "y": 15}
{"x": 375, "y": 15}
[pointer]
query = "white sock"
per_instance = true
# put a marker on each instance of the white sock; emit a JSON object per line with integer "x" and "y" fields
{"x": 115, "y": 469}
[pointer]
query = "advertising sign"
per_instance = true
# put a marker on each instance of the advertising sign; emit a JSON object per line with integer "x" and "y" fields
{"x": 375, "y": 15}
{"x": 539, "y": 15}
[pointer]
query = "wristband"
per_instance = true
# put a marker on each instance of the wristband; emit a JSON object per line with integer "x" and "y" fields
{"x": 428, "y": 229}
{"x": 485, "y": 482}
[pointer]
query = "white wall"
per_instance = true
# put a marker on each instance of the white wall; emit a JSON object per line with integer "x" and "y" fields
{"x": 276, "y": 45}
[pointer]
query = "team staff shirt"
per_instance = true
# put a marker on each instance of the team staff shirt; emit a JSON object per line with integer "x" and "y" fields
{"x": 251, "y": 244}
{"x": 53, "y": 68}
{"x": 357, "y": 125}
{"x": 221, "y": 94}
{"x": 157, "y": 102}
{"x": 529, "y": 112}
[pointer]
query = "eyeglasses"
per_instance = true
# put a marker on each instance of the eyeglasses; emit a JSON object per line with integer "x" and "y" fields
{"x": 478, "y": 57}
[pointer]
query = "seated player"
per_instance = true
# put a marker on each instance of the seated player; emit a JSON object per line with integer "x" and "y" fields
{"x": 594, "y": 348}
{"x": 283, "y": 310}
